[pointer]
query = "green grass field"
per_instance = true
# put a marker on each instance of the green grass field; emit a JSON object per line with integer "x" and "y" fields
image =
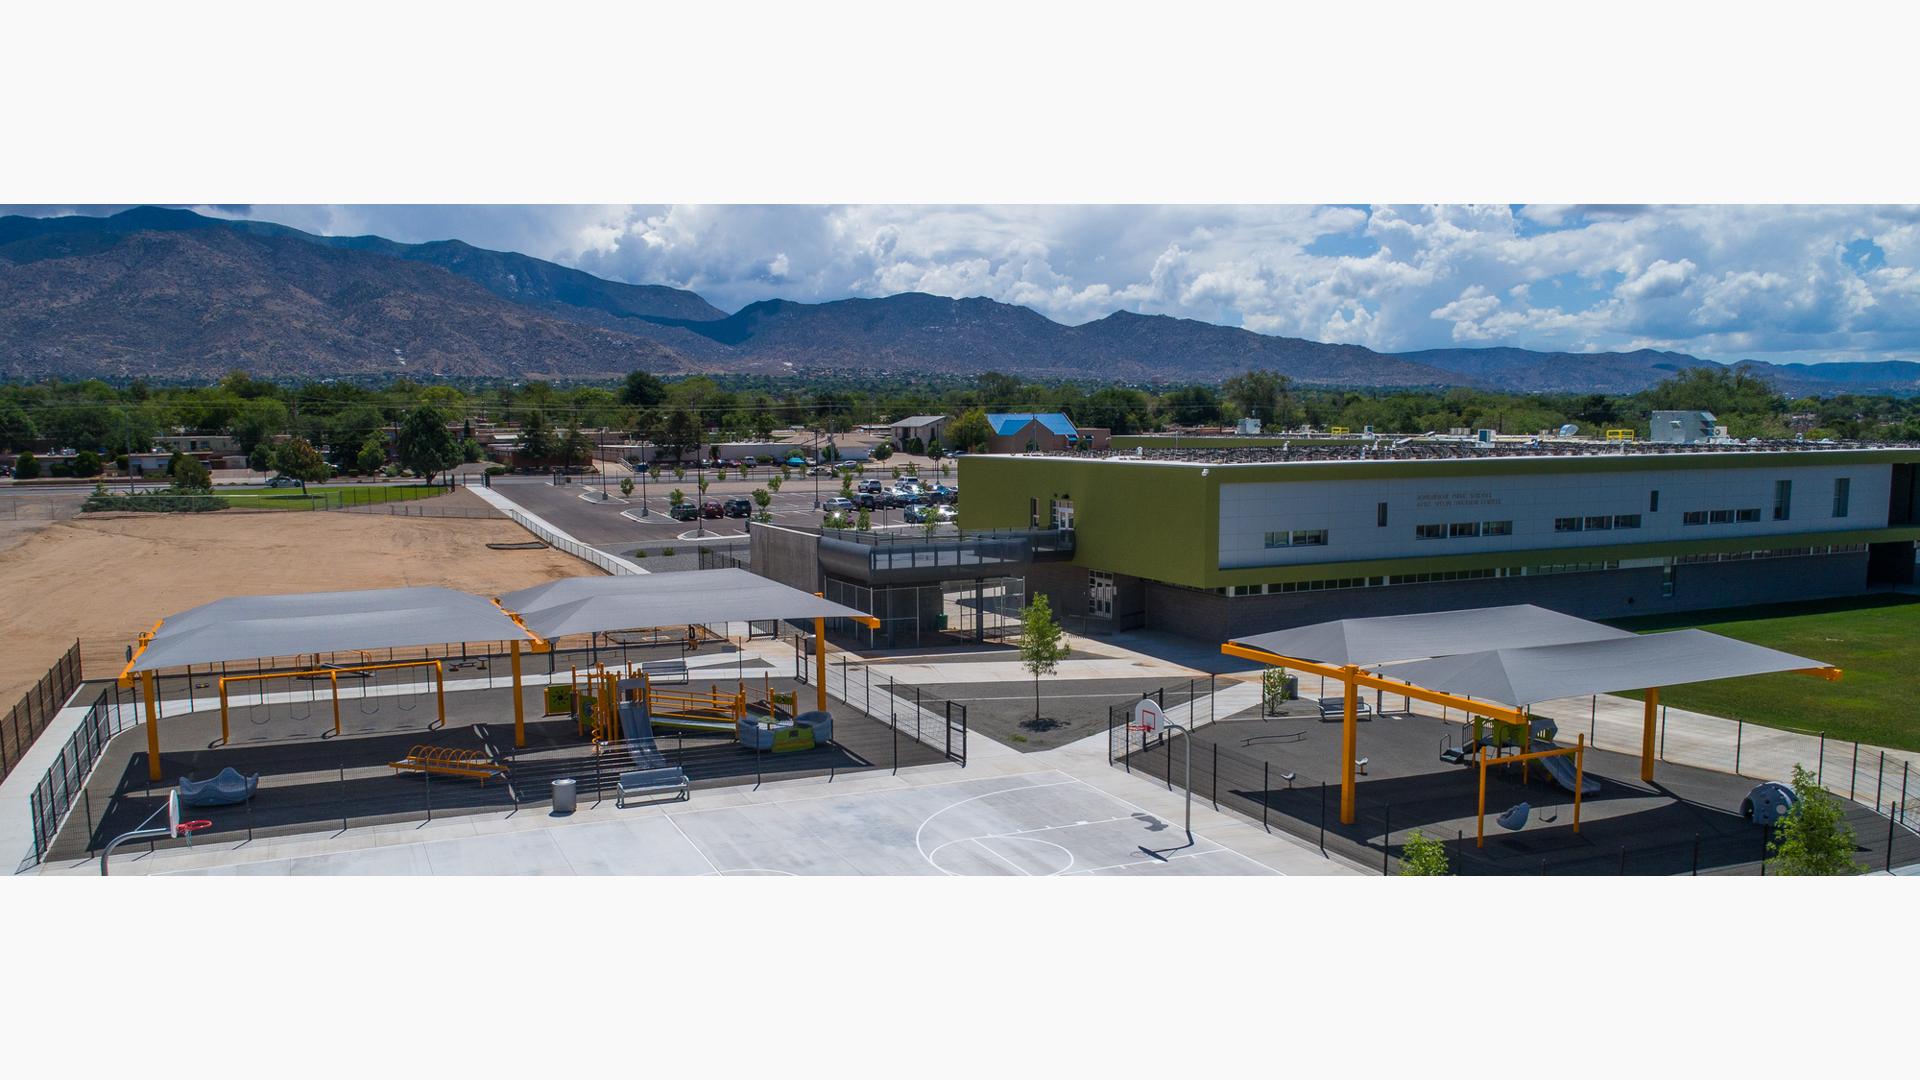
{"x": 1875, "y": 640}
{"x": 331, "y": 496}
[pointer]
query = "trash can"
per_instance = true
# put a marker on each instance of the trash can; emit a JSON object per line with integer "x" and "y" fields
{"x": 565, "y": 796}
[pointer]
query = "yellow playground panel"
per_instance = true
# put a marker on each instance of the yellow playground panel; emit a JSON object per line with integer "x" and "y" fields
{"x": 332, "y": 675}
{"x": 449, "y": 761}
{"x": 1620, "y": 434}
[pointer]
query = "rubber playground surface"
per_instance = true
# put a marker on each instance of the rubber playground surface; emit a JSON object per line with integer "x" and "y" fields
{"x": 1027, "y": 825}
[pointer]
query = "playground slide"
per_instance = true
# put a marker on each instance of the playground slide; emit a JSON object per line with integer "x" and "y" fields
{"x": 637, "y": 728}
{"x": 1561, "y": 769}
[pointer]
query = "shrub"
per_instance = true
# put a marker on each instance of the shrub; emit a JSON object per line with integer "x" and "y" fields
{"x": 27, "y": 468}
{"x": 666, "y": 552}
{"x": 1421, "y": 856}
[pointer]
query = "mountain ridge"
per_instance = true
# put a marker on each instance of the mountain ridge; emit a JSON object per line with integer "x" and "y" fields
{"x": 172, "y": 294}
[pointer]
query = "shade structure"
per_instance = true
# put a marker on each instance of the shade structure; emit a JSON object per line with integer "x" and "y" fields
{"x": 1526, "y": 676}
{"x": 588, "y": 605}
{"x": 1389, "y": 638}
{"x": 251, "y": 627}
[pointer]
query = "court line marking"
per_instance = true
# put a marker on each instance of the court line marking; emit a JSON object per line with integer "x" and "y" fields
{"x": 1169, "y": 858}
{"x": 921, "y": 848}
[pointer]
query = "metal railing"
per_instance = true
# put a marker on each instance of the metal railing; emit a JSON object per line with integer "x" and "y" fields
{"x": 64, "y": 787}
{"x": 37, "y": 708}
{"x": 610, "y": 563}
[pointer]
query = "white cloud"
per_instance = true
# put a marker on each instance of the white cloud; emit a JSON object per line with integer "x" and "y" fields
{"x": 1720, "y": 281}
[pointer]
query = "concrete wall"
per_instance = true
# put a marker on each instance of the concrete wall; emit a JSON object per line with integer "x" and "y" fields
{"x": 1602, "y": 594}
{"x": 788, "y": 556}
{"x": 1065, "y": 587}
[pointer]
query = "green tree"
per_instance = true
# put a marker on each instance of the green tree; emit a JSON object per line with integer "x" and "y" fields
{"x": 425, "y": 443}
{"x": 576, "y": 448}
{"x": 680, "y": 433}
{"x": 27, "y": 467}
{"x": 257, "y": 420}
{"x": 676, "y": 497}
{"x": 914, "y": 445}
{"x": 626, "y": 485}
{"x": 774, "y": 482}
{"x": 1263, "y": 395}
{"x": 190, "y": 473}
{"x": 372, "y": 455}
{"x": 642, "y": 390}
{"x": 882, "y": 452}
{"x": 865, "y": 522}
{"x": 260, "y": 459}
{"x": 297, "y": 458}
{"x": 969, "y": 431}
{"x": 1192, "y": 406}
{"x": 16, "y": 427}
{"x": 349, "y": 430}
{"x": 1042, "y": 644}
{"x": 536, "y": 438}
{"x": 1813, "y": 839}
{"x": 86, "y": 463}
{"x": 1422, "y": 856}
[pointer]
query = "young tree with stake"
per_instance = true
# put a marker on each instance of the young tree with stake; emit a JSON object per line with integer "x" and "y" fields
{"x": 1042, "y": 644}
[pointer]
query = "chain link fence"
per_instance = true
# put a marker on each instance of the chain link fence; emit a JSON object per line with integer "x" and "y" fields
{"x": 37, "y": 708}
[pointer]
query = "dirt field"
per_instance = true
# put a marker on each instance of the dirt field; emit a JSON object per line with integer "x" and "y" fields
{"x": 104, "y": 578}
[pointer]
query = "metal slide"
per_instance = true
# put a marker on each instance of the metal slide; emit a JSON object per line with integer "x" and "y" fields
{"x": 1561, "y": 769}
{"x": 637, "y": 728}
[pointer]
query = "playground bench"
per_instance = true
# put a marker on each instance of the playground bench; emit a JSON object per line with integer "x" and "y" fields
{"x": 1333, "y": 708}
{"x": 449, "y": 761}
{"x": 665, "y": 671}
{"x": 653, "y": 782}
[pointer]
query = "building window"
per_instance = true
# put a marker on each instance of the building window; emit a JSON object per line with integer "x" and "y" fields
{"x": 1033, "y": 513}
{"x": 1496, "y": 528}
{"x": 1569, "y": 524}
{"x": 1278, "y": 539}
{"x": 1653, "y": 501}
{"x": 1600, "y": 521}
{"x": 1464, "y": 528}
{"x": 1720, "y": 517}
{"x": 1782, "y": 500}
{"x": 1626, "y": 521}
{"x": 1309, "y": 537}
{"x": 1380, "y": 515}
{"x": 1248, "y": 590}
{"x": 1842, "y": 488}
{"x": 1430, "y": 532}
{"x": 1694, "y": 517}
{"x": 1666, "y": 581}
{"x": 1751, "y": 513}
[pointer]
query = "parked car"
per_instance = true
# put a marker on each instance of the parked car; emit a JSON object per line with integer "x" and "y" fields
{"x": 948, "y": 513}
{"x": 941, "y": 493}
{"x": 837, "y": 506}
{"x": 908, "y": 498}
{"x": 685, "y": 511}
{"x": 918, "y": 515}
{"x": 712, "y": 508}
{"x": 873, "y": 486}
{"x": 740, "y": 508}
{"x": 820, "y": 470}
{"x": 283, "y": 482}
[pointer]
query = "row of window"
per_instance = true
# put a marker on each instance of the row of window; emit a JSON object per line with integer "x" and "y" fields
{"x": 1720, "y": 517}
{"x": 1596, "y": 522}
{"x": 1297, "y": 538}
{"x": 1457, "y": 529}
{"x": 1771, "y": 553}
{"x": 1279, "y": 587}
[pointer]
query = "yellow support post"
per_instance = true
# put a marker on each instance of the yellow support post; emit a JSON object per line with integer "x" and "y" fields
{"x": 1647, "y": 733}
{"x": 440, "y": 690}
{"x": 333, "y": 677}
{"x": 224, "y": 737}
{"x": 153, "y": 726}
{"x": 820, "y": 661}
{"x": 1579, "y": 775}
{"x": 1349, "y": 741}
{"x": 519, "y": 706}
{"x": 1480, "y": 814}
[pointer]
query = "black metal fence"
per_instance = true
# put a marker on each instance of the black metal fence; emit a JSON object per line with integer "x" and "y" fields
{"x": 1281, "y": 796}
{"x": 37, "y": 708}
{"x": 63, "y": 788}
{"x": 933, "y": 722}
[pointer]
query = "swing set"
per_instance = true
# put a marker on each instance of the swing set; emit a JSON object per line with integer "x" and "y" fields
{"x": 333, "y": 674}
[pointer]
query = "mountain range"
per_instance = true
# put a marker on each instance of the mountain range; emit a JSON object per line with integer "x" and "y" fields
{"x": 171, "y": 295}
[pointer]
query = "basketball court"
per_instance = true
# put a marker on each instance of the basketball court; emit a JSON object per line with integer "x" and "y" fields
{"x": 1038, "y": 824}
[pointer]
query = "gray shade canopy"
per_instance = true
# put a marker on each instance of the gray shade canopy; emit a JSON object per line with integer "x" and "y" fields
{"x": 252, "y": 627}
{"x": 586, "y": 605}
{"x": 1527, "y": 676}
{"x": 1390, "y": 638}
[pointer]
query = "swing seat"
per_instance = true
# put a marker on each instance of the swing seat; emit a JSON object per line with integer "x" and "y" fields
{"x": 227, "y": 788}
{"x": 1515, "y": 817}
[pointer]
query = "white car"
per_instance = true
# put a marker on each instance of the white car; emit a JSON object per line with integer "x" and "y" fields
{"x": 837, "y": 506}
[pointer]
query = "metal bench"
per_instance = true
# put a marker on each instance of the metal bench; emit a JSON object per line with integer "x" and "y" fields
{"x": 1333, "y": 708}
{"x": 449, "y": 761}
{"x": 653, "y": 782}
{"x": 665, "y": 671}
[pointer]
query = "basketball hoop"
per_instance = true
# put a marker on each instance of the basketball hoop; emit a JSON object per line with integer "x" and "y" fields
{"x": 188, "y": 828}
{"x": 1148, "y": 717}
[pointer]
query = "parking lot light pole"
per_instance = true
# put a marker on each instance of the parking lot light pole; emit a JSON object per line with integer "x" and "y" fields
{"x": 646, "y": 473}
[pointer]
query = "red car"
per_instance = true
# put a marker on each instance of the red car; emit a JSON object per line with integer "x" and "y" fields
{"x": 712, "y": 508}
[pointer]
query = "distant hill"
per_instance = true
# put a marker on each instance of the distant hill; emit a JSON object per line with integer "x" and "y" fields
{"x": 174, "y": 295}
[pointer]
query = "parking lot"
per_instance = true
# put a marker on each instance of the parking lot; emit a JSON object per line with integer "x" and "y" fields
{"x": 622, "y": 522}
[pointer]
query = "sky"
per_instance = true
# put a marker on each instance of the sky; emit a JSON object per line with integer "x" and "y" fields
{"x": 1726, "y": 282}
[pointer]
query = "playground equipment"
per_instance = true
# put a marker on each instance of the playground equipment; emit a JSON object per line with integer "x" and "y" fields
{"x": 450, "y": 761}
{"x": 333, "y": 675}
{"x": 1767, "y": 803}
{"x": 599, "y": 695}
{"x": 227, "y": 788}
{"x": 1515, "y": 817}
{"x": 1579, "y": 784}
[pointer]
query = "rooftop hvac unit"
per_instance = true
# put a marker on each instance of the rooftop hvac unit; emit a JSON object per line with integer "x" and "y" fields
{"x": 1485, "y": 436}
